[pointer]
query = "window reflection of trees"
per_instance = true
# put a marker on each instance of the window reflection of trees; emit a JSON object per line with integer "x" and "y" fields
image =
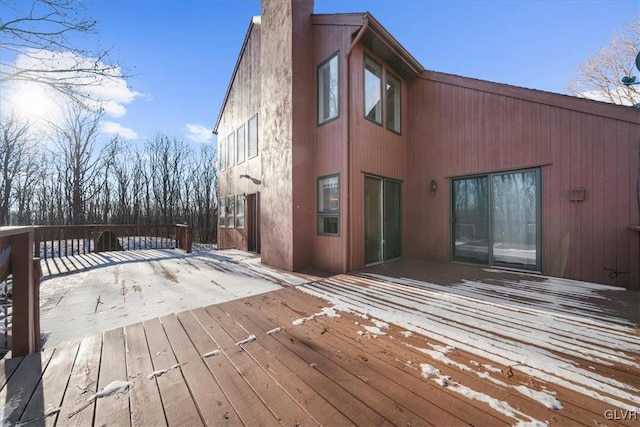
{"x": 496, "y": 217}
{"x": 514, "y": 208}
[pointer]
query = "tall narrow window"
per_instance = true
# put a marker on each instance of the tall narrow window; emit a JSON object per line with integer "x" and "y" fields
{"x": 252, "y": 137}
{"x": 230, "y": 211}
{"x": 240, "y": 202}
{"x": 328, "y": 205}
{"x": 222, "y": 211}
{"x": 222, "y": 150}
{"x": 240, "y": 144}
{"x": 393, "y": 103}
{"x": 231, "y": 150}
{"x": 372, "y": 90}
{"x": 328, "y": 100}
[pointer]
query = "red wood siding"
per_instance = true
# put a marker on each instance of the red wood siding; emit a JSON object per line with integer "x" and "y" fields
{"x": 330, "y": 151}
{"x": 456, "y": 131}
{"x": 375, "y": 151}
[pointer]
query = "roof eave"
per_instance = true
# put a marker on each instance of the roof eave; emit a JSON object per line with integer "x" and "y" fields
{"x": 409, "y": 67}
{"x": 254, "y": 21}
{"x": 618, "y": 112}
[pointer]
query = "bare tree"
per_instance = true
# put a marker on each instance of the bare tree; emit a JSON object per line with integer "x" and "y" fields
{"x": 77, "y": 160}
{"x": 43, "y": 35}
{"x": 600, "y": 77}
{"x": 167, "y": 163}
{"x": 16, "y": 155}
{"x": 205, "y": 187}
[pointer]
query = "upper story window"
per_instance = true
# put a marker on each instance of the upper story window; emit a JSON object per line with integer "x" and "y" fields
{"x": 328, "y": 94}
{"x": 393, "y": 103}
{"x": 252, "y": 137}
{"x": 372, "y": 90}
{"x": 240, "y": 144}
{"x": 375, "y": 97}
{"x": 231, "y": 150}
{"x": 222, "y": 150}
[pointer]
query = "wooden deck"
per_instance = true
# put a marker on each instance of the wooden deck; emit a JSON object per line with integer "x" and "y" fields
{"x": 305, "y": 367}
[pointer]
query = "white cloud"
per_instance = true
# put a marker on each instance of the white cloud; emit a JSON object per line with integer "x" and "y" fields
{"x": 113, "y": 128}
{"x": 198, "y": 133}
{"x": 38, "y": 102}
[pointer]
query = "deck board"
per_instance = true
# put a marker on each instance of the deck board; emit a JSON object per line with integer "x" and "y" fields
{"x": 351, "y": 406}
{"x": 179, "y": 407}
{"x": 48, "y": 396}
{"x": 113, "y": 367}
{"x": 334, "y": 371}
{"x": 146, "y": 405}
{"x": 360, "y": 357}
{"x": 211, "y": 402}
{"x": 16, "y": 393}
{"x": 323, "y": 412}
{"x": 280, "y": 403}
{"x": 249, "y": 406}
{"x": 83, "y": 382}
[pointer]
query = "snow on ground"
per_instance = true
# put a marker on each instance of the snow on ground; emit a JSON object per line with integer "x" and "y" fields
{"x": 536, "y": 327}
{"x": 115, "y": 289}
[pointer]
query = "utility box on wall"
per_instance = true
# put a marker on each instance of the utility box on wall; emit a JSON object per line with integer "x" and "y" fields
{"x": 577, "y": 194}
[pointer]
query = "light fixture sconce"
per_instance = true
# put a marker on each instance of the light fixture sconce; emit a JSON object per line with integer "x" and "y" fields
{"x": 433, "y": 186}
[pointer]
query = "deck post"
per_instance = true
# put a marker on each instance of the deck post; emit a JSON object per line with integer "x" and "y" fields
{"x": 184, "y": 237}
{"x": 24, "y": 304}
{"x": 35, "y": 313}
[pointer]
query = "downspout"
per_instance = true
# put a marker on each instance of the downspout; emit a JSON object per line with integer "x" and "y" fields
{"x": 348, "y": 148}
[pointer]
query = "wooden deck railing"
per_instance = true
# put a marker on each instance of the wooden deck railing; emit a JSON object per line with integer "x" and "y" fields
{"x": 21, "y": 249}
{"x": 61, "y": 241}
{"x": 18, "y": 265}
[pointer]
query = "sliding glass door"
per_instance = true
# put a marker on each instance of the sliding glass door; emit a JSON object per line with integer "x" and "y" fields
{"x": 496, "y": 219}
{"x": 382, "y": 219}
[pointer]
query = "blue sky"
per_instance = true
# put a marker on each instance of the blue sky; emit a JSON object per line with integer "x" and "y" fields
{"x": 180, "y": 53}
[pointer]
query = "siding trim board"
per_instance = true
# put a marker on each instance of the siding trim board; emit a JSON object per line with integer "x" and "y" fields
{"x": 513, "y": 169}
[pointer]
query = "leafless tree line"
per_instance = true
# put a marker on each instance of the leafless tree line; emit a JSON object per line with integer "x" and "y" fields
{"x": 66, "y": 177}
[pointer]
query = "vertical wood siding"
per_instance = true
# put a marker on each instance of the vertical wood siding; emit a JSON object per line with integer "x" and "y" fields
{"x": 376, "y": 151}
{"x": 457, "y": 131}
{"x": 242, "y": 104}
{"x": 330, "y": 145}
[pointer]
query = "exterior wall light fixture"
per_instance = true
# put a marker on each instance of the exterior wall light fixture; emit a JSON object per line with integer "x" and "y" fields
{"x": 433, "y": 186}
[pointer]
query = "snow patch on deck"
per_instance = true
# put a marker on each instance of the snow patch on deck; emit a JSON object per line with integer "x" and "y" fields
{"x": 526, "y": 325}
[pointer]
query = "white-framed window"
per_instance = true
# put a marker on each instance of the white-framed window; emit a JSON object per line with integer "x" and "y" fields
{"x": 222, "y": 211}
{"x": 372, "y": 90}
{"x": 252, "y": 137}
{"x": 394, "y": 118}
{"x": 231, "y": 150}
{"x": 240, "y": 204}
{"x": 328, "y": 90}
{"x": 222, "y": 150}
{"x": 329, "y": 205}
{"x": 230, "y": 211}
{"x": 240, "y": 146}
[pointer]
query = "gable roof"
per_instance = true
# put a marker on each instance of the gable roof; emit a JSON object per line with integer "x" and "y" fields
{"x": 254, "y": 21}
{"x": 380, "y": 41}
{"x": 619, "y": 112}
{"x": 377, "y": 39}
